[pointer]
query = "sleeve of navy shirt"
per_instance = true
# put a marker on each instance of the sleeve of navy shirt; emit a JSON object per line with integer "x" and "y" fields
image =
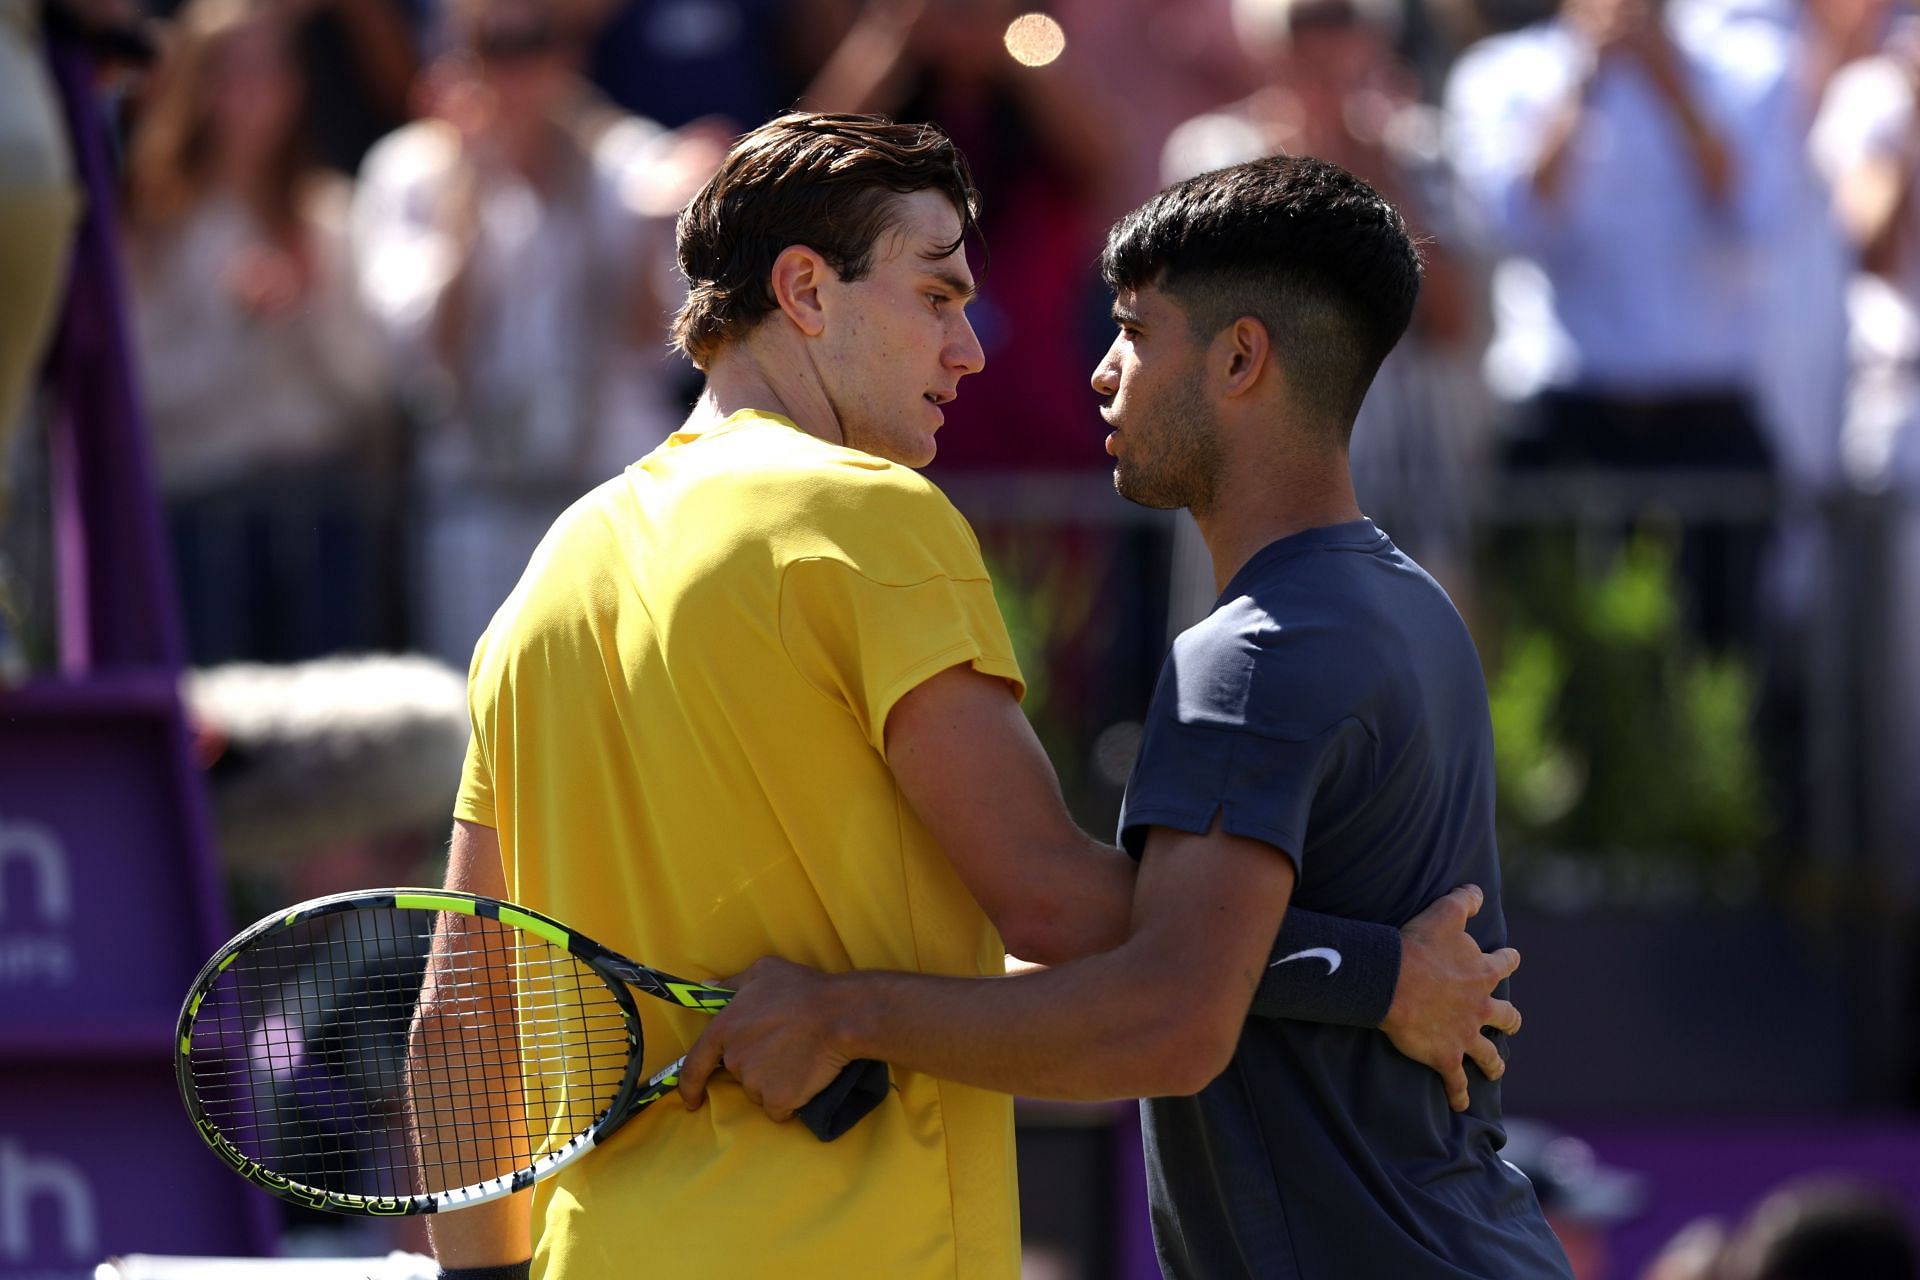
{"x": 1240, "y": 727}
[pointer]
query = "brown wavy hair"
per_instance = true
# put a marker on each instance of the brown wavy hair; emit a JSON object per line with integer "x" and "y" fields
{"x": 829, "y": 182}
{"x": 170, "y": 157}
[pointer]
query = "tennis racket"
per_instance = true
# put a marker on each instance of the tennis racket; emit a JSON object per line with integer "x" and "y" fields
{"x": 409, "y": 1051}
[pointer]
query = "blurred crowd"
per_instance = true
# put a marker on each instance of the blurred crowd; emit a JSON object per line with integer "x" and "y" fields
{"x": 401, "y": 268}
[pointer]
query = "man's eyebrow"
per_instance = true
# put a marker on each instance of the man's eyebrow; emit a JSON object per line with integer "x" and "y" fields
{"x": 1123, "y": 314}
{"x": 964, "y": 288}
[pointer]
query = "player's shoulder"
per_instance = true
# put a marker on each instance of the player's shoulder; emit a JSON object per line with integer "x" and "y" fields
{"x": 776, "y": 492}
{"x": 841, "y": 488}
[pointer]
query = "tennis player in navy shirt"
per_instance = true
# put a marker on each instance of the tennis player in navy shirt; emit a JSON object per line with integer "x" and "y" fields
{"x": 1322, "y": 738}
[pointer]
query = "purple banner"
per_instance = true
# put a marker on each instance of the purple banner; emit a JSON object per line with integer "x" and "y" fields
{"x": 103, "y": 1161}
{"x": 103, "y": 916}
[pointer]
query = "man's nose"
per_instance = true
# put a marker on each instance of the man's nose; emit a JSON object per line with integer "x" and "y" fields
{"x": 1106, "y": 376}
{"x": 966, "y": 354}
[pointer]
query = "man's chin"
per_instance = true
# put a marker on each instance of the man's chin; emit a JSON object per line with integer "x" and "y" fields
{"x": 921, "y": 455}
{"x": 914, "y": 455}
{"x": 1142, "y": 494}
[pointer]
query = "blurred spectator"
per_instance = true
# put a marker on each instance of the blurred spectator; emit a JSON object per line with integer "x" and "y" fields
{"x": 263, "y": 377}
{"x": 1693, "y": 1253}
{"x": 358, "y": 59}
{"x": 1802, "y": 373}
{"x": 39, "y": 208}
{"x": 737, "y": 62}
{"x": 1823, "y": 1227}
{"x": 1332, "y": 86}
{"x": 1039, "y": 140}
{"x": 1867, "y": 143}
{"x": 1582, "y": 1198}
{"x": 1632, "y": 157}
{"x": 515, "y": 247}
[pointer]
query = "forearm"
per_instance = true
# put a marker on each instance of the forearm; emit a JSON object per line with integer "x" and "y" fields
{"x": 485, "y": 1235}
{"x": 867, "y": 71}
{"x": 1095, "y": 1030}
{"x": 1076, "y": 902}
{"x": 1556, "y": 151}
{"x": 1712, "y": 158}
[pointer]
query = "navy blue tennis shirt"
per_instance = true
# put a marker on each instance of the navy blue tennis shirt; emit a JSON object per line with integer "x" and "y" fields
{"x": 1332, "y": 706}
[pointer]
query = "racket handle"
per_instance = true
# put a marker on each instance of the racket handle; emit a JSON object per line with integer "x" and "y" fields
{"x": 859, "y": 1088}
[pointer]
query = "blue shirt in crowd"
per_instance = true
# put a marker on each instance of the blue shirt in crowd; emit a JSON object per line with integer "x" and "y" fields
{"x": 1633, "y": 281}
{"x": 1332, "y": 706}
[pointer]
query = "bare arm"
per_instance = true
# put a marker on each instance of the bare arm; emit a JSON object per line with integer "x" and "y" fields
{"x": 501, "y": 1231}
{"x": 968, "y": 762}
{"x": 1621, "y": 29}
{"x": 1712, "y": 157}
{"x": 868, "y": 70}
{"x": 1159, "y": 1015}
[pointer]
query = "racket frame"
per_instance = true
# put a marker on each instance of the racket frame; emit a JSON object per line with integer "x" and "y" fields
{"x": 615, "y": 970}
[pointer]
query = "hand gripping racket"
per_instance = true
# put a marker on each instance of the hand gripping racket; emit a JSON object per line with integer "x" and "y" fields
{"x": 417, "y": 1050}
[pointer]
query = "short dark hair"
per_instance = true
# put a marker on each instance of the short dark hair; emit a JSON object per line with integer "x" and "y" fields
{"x": 1303, "y": 246}
{"x": 829, "y": 182}
{"x": 1826, "y": 1225}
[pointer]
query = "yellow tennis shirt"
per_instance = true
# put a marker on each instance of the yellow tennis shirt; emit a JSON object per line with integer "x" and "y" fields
{"x": 678, "y": 732}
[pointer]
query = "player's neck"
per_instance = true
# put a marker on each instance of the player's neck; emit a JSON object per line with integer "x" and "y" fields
{"x": 1254, "y": 509}
{"x": 771, "y": 379}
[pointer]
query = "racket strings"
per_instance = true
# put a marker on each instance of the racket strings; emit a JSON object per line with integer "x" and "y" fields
{"x": 394, "y": 1051}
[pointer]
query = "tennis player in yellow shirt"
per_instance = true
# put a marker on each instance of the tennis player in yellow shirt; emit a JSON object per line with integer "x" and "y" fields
{"x": 753, "y": 696}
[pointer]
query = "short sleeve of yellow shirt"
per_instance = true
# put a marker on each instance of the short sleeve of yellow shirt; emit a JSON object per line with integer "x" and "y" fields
{"x": 866, "y": 644}
{"x": 679, "y": 718}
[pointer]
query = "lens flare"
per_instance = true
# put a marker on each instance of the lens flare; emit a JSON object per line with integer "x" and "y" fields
{"x": 1034, "y": 39}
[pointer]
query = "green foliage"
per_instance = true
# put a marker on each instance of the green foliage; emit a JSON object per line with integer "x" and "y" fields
{"x": 1615, "y": 731}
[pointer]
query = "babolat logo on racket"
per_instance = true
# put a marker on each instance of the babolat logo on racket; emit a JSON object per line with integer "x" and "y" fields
{"x": 314, "y": 1198}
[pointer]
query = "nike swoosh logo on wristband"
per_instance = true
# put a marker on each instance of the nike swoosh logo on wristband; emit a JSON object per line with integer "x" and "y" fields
{"x": 1328, "y": 954}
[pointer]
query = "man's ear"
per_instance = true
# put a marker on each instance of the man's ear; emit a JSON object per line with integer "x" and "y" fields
{"x": 1240, "y": 355}
{"x": 798, "y": 274}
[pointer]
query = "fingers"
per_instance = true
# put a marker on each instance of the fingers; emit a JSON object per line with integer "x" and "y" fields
{"x": 1505, "y": 1017}
{"x": 1451, "y": 910}
{"x": 1486, "y": 1057}
{"x": 1454, "y": 1077}
{"x": 1506, "y": 960}
{"x": 700, "y": 1063}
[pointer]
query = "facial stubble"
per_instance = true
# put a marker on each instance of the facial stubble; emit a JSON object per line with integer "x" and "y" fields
{"x": 1181, "y": 467}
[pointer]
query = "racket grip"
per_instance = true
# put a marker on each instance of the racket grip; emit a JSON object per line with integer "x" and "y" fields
{"x": 858, "y": 1089}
